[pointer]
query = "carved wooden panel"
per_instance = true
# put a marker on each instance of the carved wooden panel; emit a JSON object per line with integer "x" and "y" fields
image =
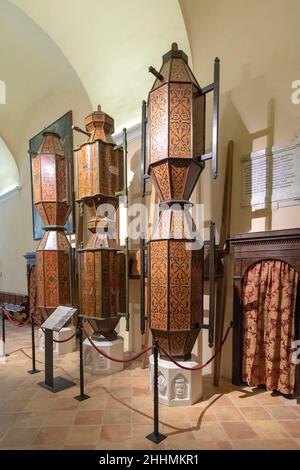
{"x": 180, "y": 120}
{"x": 158, "y": 109}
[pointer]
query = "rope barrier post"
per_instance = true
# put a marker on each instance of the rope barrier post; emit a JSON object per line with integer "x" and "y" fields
{"x": 156, "y": 436}
{"x": 82, "y": 396}
{"x": 33, "y": 370}
{"x": 3, "y": 353}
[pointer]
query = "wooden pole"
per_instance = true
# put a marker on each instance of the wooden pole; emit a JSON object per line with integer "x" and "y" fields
{"x": 223, "y": 281}
{"x": 145, "y": 337}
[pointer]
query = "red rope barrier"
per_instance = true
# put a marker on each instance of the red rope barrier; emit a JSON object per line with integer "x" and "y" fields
{"x": 202, "y": 365}
{"x": 13, "y": 322}
{"x": 123, "y": 361}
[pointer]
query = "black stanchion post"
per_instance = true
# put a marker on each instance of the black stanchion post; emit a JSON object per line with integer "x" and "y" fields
{"x": 33, "y": 370}
{"x": 82, "y": 395}
{"x": 156, "y": 436}
{"x": 3, "y": 335}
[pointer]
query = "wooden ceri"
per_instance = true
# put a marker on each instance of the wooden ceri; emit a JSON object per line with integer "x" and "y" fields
{"x": 100, "y": 174}
{"x": 248, "y": 249}
{"x": 175, "y": 132}
{"x": 51, "y": 199}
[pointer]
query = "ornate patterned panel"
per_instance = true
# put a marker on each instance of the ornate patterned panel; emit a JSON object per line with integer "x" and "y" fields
{"x": 177, "y": 341}
{"x": 40, "y": 279}
{"x": 84, "y": 164}
{"x": 159, "y": 285}
{"x": 180, "y": 144}
{"x": 191, "y": 339}
{"x": 178, "y": 71}
{"x": 161, "y": 175}
{"x": 37, "y": 195}
{"x": 51, "y": 279}
{"x": 50, "y": 209}
{"x": 159, "y": 124}
{"x": 178, "y": 173}
{"x": 61, "y": 179}
{"x": 180, "y": 269}
{"x": 64, "y": 278}
{"x": 48, "y": 174}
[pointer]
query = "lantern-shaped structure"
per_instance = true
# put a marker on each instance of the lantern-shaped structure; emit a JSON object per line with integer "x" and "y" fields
{"x": 175, "y": 137}
{"x": 50, "y": 190}
{"x": 102, "y": 265}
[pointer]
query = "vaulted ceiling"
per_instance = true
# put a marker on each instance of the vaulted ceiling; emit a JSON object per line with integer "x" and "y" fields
{"x": 103, "y": 47}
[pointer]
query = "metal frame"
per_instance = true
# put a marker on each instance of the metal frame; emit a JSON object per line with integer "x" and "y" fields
{"x": 215, "y": 87}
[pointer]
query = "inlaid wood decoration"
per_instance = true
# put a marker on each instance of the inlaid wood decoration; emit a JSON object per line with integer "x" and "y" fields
{"x": 176, "y": 131}
{"x": 102, "y": 266}
{"x": 51, "y": 199}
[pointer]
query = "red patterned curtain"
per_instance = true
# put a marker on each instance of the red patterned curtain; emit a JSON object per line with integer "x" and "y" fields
{"x": 269, "y": 302}
{"x": 32, "y": 296}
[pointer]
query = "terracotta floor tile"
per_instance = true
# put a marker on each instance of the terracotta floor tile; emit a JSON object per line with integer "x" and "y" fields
{"x": 3, "y": 430}
{"x": 19, "y": 437}
{"x": 282, "y": 444}
{"x": 117, "y": 416}
{"x": 249, "y": 444}
{"x": 8, "y": 419}
{"x": 51, "y": 436}
{"x": 115, "y": 433}
{"x": 267, "y": 399}
{"x": 295, "y": 409}
{"x": 255, "y": 413}
{"x": 82, "y": 435}
{"x": 210, "y": 432}
{"x": 281, "y": 412}
{"x": 59, "y": 418}
{"x": 228, "y": 413}
{"x": 214, "y": 445}
{"x": 31, "y": 421}
{"x": 238, "y": 430}
{"x": 40, "y": 405}
{"x": 293, "y": 427}
{"x": 173, "y": 413}
{"x": 9, "y": 406}
{"x": 88, "y": 417}
{"x": 268, "y": 429}
{"x": 93, "y": 403}
{"x": 139, "y": 418}
{"x": 65, "y": 404}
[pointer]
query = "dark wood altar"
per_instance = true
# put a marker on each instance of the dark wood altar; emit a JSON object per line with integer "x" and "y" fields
{"x": 250, "y": 248}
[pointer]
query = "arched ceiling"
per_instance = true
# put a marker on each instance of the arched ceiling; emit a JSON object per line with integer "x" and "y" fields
{"x": 110, "y": 45}
{"x": 32, "y": 68}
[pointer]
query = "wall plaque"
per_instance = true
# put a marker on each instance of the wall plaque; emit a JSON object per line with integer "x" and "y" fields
{"x": 271, "y": 177}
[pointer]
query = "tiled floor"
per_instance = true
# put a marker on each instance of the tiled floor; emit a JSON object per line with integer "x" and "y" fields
{"x": 119, "y": 413}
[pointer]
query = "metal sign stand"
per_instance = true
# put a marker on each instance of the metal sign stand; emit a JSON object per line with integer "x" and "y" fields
{"x": 54, "y": 384}
{"x": 54, "y": 323}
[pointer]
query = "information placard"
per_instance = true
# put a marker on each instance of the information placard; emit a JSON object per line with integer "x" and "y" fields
{"x": 59, "y": 318}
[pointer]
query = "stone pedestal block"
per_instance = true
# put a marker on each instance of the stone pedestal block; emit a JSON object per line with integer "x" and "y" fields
{"x": 60, "y": 348}
{"x": 177, "y": 387}
{"x": 97, "y": 364}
